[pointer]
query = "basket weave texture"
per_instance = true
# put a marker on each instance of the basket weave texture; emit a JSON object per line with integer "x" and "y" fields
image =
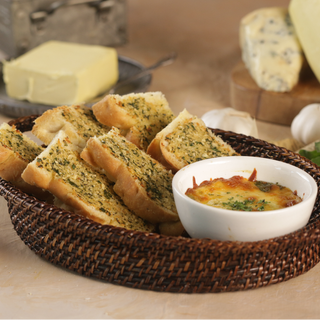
{"x": 161, "y": 263}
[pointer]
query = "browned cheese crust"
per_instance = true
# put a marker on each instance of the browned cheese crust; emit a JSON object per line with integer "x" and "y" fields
{"x": 142, "y": 183}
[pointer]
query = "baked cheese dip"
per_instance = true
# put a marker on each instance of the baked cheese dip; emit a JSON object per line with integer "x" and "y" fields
{"x": 239, "y": 193}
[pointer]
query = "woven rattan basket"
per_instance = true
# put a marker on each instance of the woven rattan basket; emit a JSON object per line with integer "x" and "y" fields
{"x": 161, "y": 263}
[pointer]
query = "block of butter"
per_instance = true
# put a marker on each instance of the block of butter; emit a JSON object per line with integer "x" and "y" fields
{"x": 61, "y": 73}
{"x": 270, "y": 49}
{"x": 305, "y": 18}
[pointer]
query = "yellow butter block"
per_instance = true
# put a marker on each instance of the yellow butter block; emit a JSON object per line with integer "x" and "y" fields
{"x": 59, "y": 73}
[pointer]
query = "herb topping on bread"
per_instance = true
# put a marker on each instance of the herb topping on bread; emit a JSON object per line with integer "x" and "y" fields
{"x": 143, "y": 115}
{"x": 143, "y": 183}
{"x": 60, "y": 170}
{"x": 25, "y": 148}
{"x": 17, "y": 150}
{"x": 78, "y": 122}
{"x": 186, "y": 140}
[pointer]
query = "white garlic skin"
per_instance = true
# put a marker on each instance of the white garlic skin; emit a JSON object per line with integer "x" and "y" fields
{"x": 229, "y": 119}
{"x": 305, "y": 127}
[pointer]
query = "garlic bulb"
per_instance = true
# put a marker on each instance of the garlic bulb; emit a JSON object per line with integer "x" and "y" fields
{"x": 305, "y": 127}
{"x": 230, "y": 119}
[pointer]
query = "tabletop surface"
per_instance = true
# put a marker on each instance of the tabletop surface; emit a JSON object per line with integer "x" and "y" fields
{"x": 204, "y": 33}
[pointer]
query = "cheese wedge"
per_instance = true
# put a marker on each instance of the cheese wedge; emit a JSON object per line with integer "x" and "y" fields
{"x": 270, "y": 49}
{"x": 305, "y": 17}
{"x": 61, "y": 73}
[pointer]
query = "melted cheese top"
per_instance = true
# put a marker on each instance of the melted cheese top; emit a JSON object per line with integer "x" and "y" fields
{"x": 239, "y": 193}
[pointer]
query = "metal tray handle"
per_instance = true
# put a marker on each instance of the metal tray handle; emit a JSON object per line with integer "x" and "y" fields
{"x": 41, "y": 15}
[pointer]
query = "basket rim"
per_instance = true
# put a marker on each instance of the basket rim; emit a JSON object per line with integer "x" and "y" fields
{"x": 157, "y": 262}
{"x": 62, "y": 215}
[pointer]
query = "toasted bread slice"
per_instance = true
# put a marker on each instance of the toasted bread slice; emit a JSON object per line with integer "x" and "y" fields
{"x": 17, "y": 150}
{"x": 60, "y": 170}
{"x": 78, "y": 122}
{"x": 142, "y": 182}
{"x": 143, "y": 115}
{"x": 186, "y": 140}
{"x": 172, "y": 228}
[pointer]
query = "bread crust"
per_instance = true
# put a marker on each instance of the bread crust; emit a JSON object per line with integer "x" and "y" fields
{"x": 38, "y": 177}
{"x": 48, "y": 125}
{"x": 66, "y": 118}
{"x": 186, "y": 135}
{"x": 11, "y": 168}
{"x": 170, "y": 158}
{"x": 109, "y": 111}
{"x": 138, "y": 201}
{"x": 11, "y": 165}
{"x": 172, "y": 228}
{"x": 95, "y": 155}
{"x": 155, "y": 150}
{"x": 36, "y": 174}
{"x": 126, "y": 184}
{"x": 141, "y": 115}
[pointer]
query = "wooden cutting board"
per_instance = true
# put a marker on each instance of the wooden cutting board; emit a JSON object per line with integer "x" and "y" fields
{"x": 274, "y": 107}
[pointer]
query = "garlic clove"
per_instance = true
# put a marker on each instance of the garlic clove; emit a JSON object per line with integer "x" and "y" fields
{"x": 305, "y": 127}
{"x": 230, "y": 119}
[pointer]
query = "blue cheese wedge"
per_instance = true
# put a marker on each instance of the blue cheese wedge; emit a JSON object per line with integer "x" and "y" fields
{"x": 305, "y": 18}
{"x": 61, "y": 73}
{"x": 270, "y": 49}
